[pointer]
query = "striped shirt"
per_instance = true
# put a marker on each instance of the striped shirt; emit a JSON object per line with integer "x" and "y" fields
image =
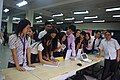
{"x": 15, "y": 42}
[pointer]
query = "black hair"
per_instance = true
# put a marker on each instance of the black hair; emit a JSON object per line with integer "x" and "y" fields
{"x": 52, "y": 31}
{"x": 60, "y": 36}
{"x": 47, "y": 23}
{"x": 21, "y": 25}
{"x": 88, "y": 35}
{"x": 97, "y": 31}
{"x": 72, "y": 27}
{"x": 108, "y": 31}
{"x": 83, "y": 33}
{"x": 47, "y": 49}
{"x": 76, "y": 32}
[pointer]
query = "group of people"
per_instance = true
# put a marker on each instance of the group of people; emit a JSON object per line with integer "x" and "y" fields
{"x": 51, "y": 43}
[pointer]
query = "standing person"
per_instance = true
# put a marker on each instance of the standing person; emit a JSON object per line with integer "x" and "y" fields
{"x": 111, "y": 50}
{"x": 96, "y": 42}
{"x": 30, "y": 35}
{"x": 87, "y": 48}
{"x": 77, "y": 37}
{"x": 1, "y": 38}
{"x": 20, "y": 47}
{"x": 5, "y": 36}
{"x": 71, "y": 39}
{"x": 48, "y": 26}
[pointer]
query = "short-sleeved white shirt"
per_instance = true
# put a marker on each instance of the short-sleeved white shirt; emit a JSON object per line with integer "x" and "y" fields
{"x": 35, "y": 47}
{"x": 42, "y": 33}
{"x": 110, "y": 48}
{"x": 15, "y": 42}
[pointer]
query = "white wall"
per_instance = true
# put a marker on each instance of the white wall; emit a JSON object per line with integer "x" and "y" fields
{"x": 99, "y": 26}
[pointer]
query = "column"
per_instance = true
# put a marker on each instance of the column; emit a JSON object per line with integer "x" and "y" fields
{"x": 1, "y": 8}
{"x": 9, "y": 24}
{"x": 29, "y": 16}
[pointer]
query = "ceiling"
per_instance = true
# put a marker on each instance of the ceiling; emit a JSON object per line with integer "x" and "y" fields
{"x": 46, "y": 8}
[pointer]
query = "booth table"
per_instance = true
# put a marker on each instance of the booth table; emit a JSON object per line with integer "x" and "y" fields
{"x": 64, "y": 70}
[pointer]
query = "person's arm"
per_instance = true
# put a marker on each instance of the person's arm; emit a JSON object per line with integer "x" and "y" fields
{"x": 117, "y": 47}
{"x": 15, "y": 58}
{"x": 29, "y": 57}
{"x": 43, "y": 61}
{"x": 118, "y": 55}
{"x": 12, "y": 45}
{"x": 73, "y": 45}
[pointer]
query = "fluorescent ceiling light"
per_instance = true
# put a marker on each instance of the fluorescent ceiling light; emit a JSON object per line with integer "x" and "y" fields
{"x": 69, "y": 18}
{"x": 85, "y": 12}
{"x": 51, "y": 20}
{"x": 38, "y": 17}
{"x": 39, "y": 21}
{"x": 22, "y": 3}
{"x": 6, "y": 10}
{"x": 59, "y": 23}
{"x": 99, "y": 21}
{"x": 57, "y": 15}
{"x": 92, "y": 17}
{"x": 15, "y": 18}
{"x": 113, "y": 9}
{"x": 116, "y": 15}
{"x": 78, "y": 22}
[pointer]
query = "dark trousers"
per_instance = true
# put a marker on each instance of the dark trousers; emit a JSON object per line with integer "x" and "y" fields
{"x": 110, "y": 67}
{"x": 34, "y": 58}
{"x": 10, "y": 65}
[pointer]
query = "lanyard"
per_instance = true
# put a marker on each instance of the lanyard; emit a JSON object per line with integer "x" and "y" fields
{"x": 23, "y": 43}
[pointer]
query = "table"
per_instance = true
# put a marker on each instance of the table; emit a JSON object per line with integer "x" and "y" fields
{"x": 66, "y": 69}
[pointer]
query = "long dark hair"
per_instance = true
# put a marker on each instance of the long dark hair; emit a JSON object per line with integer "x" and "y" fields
{"x": 21, "y": 25}
{"x": 45, "y": 38}
{"x": 60, "y": 36}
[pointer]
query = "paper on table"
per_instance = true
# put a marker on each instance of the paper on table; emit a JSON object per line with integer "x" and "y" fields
{"x": 68, "y": 54}
{"x": 78, "y": 56}
{"x": 28, "y": 68}
{"x": 52, "y": 65}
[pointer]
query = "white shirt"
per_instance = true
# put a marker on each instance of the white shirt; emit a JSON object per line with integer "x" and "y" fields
{"x": 90, "y": 44}
{"x": 15, "y": 42}
{"x": 97, "y": 41}
{"x": 35, "y": 47}
{"x": 42, "y": 33}
{"x": 110, "y": 48}
{"x": 62, "y": 46}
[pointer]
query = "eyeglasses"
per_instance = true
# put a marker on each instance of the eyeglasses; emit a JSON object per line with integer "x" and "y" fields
{"x": 108, "y": 34}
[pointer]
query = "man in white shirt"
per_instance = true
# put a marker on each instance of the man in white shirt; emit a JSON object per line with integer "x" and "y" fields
{"x": 48, "y": 26}
{"x": 111, "y": 50}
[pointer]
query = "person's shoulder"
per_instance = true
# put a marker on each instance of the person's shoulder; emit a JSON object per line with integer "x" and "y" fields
{"x": 113, "y": 39}
{"x": 103, "y": 40}
{"x": 13, "y": 36}
{"x": 42, "y": 31}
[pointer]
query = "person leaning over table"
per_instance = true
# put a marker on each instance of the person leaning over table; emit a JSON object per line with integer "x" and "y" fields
{"x": 42, "y": 49}
{"x": 20, "y": 47}
{"x": 111, "y": 50}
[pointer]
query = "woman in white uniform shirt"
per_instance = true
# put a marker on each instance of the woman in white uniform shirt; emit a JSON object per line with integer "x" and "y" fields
{"x": 20, "y": 47}
{"x": 61, "y": 46}
{"x": 43, "y": 48}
